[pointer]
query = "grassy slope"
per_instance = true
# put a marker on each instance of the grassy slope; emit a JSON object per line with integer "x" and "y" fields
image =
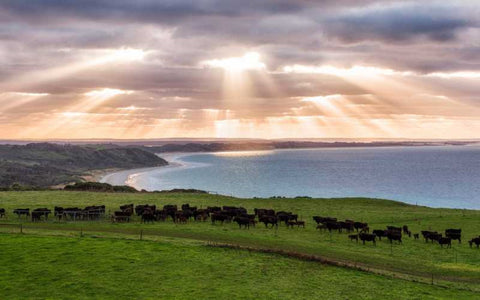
{"x": 63, "y": 267}
{"x": 460, "y": 264}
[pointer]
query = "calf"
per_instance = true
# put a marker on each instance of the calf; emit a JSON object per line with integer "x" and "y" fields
{"x": 353, "y": 237}
{"x": 292, "y": 223}
{"x": 416, "y": 236}
{"x": 475, "y": 241}
{"x": 368, "y": 237}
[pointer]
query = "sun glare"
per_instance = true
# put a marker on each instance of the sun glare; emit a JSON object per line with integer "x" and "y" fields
{"x": 106, "y": 93}
{"x": 249, "y": 61}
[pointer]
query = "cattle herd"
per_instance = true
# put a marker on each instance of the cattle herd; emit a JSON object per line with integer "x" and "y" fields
{"x": 226, "y": 214}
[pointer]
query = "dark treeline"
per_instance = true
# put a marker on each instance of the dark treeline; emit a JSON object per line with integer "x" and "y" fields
{"x": 45, "y": 164}
{"x": 273, "y": 145}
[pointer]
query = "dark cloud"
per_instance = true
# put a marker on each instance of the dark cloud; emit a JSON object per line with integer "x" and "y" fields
{"x": 400, "y": 23}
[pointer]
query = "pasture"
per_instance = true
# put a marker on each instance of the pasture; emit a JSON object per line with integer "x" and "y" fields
{"x": 413, "y": 260}
{"x": 59, "y": 267}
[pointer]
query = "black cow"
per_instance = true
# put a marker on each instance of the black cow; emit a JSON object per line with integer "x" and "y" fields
{"x": 333, "y": 226}
{"x": 2, "y": 212}
{"x": 360, "y": 226}
{"x": 454, "y": 234}
{"x": 348, "y": 226}
{"x": 38, "y": 213}
{"x": 475, "y": 241}
{"x": 416, "y": 236}
{"x": 431, "y": 235}
{"x": 242, "y": 221}
{"x": 353, "y": 237}
{"x": 292, "y": 223}
{"x": 368, "y": 237}
{"x": 394, "y": 236}
{"x": 380, "y": 233}
{"x": 148, "y": 215}
{"x": 445, "y": 241}
{"x": 265, "y": 219}
{"x": 22, "y": 211}
{"x": 218, "y": 217}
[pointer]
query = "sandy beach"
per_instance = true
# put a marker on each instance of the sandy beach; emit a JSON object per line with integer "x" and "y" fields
{"x": 128, "y": 177}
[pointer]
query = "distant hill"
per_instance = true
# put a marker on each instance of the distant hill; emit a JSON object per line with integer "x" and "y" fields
{"x": 246, "y": 146}
{"x": 45, "y": 164}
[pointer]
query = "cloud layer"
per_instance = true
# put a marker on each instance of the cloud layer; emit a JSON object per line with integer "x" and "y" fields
{"x": 325, "y": 69}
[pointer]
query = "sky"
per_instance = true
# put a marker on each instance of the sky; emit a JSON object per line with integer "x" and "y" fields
{"x": 239, "y": 69}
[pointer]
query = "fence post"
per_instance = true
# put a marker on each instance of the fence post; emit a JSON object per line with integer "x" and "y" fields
{"x": 21, "y": 228}
{"x": 81, "y": 232}
{"x": 141, "y": 234}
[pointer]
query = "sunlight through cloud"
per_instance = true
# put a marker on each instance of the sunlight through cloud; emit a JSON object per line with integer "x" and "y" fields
{"x": 249, "y": 61}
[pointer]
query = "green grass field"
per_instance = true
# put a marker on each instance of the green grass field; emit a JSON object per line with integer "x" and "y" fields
{"x": 73, "y": 268}
{"x": 456, "y": 269}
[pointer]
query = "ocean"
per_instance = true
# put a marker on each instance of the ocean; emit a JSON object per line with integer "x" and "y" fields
{"x": 435, "y": 176}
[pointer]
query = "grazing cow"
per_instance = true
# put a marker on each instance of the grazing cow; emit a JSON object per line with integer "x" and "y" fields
{"x": 148, "y": 215}
{"x": 360, "y": 226}
{"x": 380, "y": 233}
{"x": 242, "y": 221}
{"x": 160, "y": 215}
{"x": 265, "y": 219}
{"x": 72, "y": 212}
{"x": 445, "y": 241}
{"x": 121, "y": 216}
{"x": 393, "y": 228}
{"x": 170, "y": 210}
{"x": 218, "y": 217}
{"x": 416, "y": 236}
{"x": 58, "y": 212}
{"x": 333, "y": 226}
{"x": 22, "y": 211}
{"x": 365, "y": 229}
{"x": 262, "y": 211}
{"x": 454, "y": 234}
{"x": 353, "y": 237}
{"x": 2, "y": 212}
{"x": 317, "y": 219}
{"x": 368, "y": 237}
{"x": 348, "y": 226}
{"x": 38, "y": 213}
{"x": 324, "y": 220}
{"x": 431, "y": 235}
{"x": 292, "y": 223}
{"x": 475, "y": 241}
{"x": 394, "y": 236}
{"x": 201, "y": 214}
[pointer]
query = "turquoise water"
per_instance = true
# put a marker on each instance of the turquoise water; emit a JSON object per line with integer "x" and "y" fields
{"x": 444, "y": 176}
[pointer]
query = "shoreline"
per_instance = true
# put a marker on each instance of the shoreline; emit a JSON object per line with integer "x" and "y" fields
{"x": 126, "y": 176}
